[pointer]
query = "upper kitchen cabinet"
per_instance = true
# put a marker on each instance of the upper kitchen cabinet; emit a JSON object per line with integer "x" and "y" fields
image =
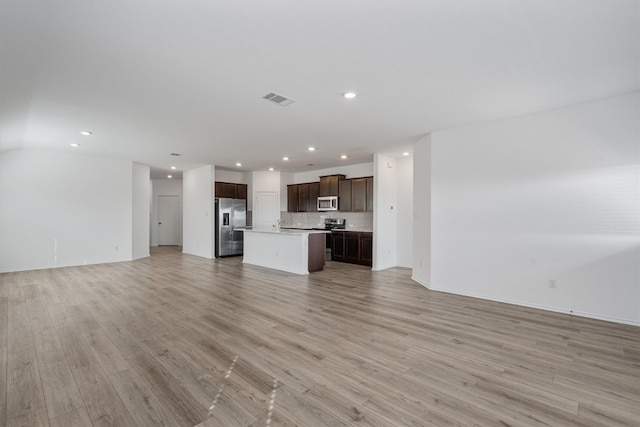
{"x": 369, "y": 194}
{"x": 230, "y": 190}
{"x": 359, "y": 195}
{"x": 292, "y": 198}
{"x": 329, "y": 185}
{"x": 356, "y": 195}
{"x": 241, "y": 191}
{"x": 303, "y": 197}
{"x": 344, "y": 204}
{"x": 314, "y": 192}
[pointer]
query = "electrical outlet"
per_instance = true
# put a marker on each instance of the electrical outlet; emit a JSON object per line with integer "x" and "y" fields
{"x": 553, "y": 284}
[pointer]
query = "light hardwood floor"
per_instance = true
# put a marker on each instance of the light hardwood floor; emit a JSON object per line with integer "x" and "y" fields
{"x": 153, "y": 342}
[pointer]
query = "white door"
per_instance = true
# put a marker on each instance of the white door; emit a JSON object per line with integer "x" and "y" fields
{"x": 169, "y": 220}
{"x": 266, "y": 210}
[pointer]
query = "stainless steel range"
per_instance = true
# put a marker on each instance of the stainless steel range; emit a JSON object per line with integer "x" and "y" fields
{"x": 332, "y": 224}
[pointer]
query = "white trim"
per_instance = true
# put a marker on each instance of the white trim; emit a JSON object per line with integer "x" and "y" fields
{"x": 541, "y": 307}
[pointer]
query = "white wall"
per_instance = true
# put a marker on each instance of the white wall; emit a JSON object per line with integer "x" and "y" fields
{"x": 421, "y": 264}
{"x": 141, "y": 205}
{"x": 553, "y": 195}
{"x": 197, "y": 213}
{"x": 385, "y": 218}
{"x": 404, "y": 227}
{"x": 235, "y": 177}
{"x": 164, "y": 187}
{"x": 60, "y": 209}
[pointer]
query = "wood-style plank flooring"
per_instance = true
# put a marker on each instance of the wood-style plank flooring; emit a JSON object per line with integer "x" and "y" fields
{"x": 179, "y": 340}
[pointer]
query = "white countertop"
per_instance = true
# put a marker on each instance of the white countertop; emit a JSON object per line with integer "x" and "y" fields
{"x": 357, "y": 230}
{"x": 285, "y": 231}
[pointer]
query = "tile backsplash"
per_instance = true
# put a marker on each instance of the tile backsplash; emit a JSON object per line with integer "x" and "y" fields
{"x": 360, "y": 220}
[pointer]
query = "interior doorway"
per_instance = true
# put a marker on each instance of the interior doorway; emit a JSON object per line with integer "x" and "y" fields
{"x": 266, "y": 209}
{"x": 169, "y": 220}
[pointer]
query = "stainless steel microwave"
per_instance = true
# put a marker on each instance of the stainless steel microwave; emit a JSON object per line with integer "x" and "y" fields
{"x": 328, "y": 203}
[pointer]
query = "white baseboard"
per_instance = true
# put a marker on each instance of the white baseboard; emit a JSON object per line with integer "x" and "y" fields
{"x": 537, "y": 306}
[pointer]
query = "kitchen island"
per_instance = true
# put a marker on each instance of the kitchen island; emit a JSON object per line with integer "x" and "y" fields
{"x": 292, "y": 250}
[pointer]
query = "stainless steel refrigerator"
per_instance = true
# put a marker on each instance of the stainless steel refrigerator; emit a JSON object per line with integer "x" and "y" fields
{"x": 231, "y": 214}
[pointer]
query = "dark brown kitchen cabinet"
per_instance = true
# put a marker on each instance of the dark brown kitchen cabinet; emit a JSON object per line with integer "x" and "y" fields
{"x": 359, "y": 195}
{"x": 369, "y": 194}
{"x": 303, "y": 197}
{"x": 366, "y": 248}
{"x": 225, "y": 189}
{"x": 356, "y": 195}
{"x": 230, "y": 190}
{"x": 316, "y": 260}
{"x": 352, "y": 247}
{"x": 329, "y": 185}
{"x": 314, "y": 192}
{"x": 337, "y": 246}
{"x": 292, "y": 198}
{"x": 352, "y": 251}
{"x": 344, "y": 203}
{"x": 241, "y": 191}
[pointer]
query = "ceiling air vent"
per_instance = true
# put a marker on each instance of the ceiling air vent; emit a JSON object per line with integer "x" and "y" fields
{"x": 281, "y": 100}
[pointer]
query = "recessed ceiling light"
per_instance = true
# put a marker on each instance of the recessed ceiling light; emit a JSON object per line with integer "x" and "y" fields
{"x": 349, "y": 95}
{"x": 169, "y": 176}
{"x": 405, "y": 153}
{"x": 74, "y": 145}
{"x": 86, "y": 133}
{"x": 285, "y": 158}
{"x": 344, "y": 156}
{"x": 311, "y": 148}
{"x": 173, "y": 168}
{"x": 238, "y": 164}
{"x": 270, "y": 169}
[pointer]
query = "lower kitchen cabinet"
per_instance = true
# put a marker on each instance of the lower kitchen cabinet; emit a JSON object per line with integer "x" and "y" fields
{"x": 366, "y": 248}
{"x": 337, "y": 246}
{"x": 352, "y": 252}
{"x": 352, "y": 247}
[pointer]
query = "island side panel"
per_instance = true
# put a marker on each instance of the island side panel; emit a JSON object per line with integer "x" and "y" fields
{"x": 317, "y": 249}
{"x": 280, "y": 251}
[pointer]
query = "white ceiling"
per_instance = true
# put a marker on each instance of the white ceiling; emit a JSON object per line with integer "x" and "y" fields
{"x": 150, "y": 78}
